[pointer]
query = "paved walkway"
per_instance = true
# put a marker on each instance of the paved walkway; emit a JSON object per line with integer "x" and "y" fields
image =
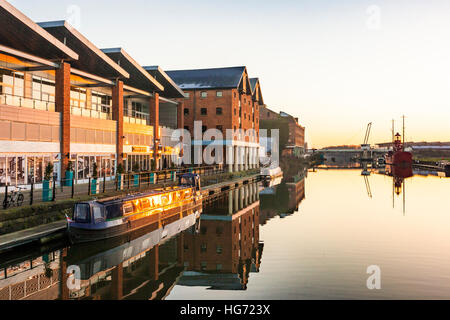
{"x": 21, "y": 237}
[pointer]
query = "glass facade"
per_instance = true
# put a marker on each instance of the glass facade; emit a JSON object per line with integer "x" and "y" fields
{"x": 18, "y": 170}
{"x": 83, "y": 165}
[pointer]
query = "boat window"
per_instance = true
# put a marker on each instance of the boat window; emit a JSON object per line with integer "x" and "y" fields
{"x": 82, "y": 213}
{"x": 114, "y": 211}
{"x": 98, "y": 214}
{"x": 127, "y": 208}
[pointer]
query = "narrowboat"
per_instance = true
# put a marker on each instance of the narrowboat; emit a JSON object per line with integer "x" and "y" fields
{"x": 107, "y": 218}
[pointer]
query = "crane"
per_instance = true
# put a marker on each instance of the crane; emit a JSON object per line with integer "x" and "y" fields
{"x": 366, "y": 138}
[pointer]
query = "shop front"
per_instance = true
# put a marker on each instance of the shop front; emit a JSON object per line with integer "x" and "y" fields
{"x": 137, "y": 158}
{"x": 24, "y": 169}
{"x": 83, "y": 166}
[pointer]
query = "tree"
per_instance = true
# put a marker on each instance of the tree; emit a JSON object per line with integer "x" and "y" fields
{"x": 48, "y": 171}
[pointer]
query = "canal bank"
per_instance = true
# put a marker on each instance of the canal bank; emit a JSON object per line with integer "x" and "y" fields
{"x": 52, "y": 223}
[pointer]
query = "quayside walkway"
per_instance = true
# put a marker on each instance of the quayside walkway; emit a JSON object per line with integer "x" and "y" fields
{"x": 57, "y": 228}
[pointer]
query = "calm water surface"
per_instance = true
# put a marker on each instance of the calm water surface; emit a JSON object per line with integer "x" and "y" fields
{"x": 307, "y": 238}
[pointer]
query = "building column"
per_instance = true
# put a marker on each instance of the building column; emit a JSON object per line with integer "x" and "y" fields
{"x": 180, "y": 115}
{"x": 236, "y": 200}
{"x": 252, "y": 158}
{"x": 230, "y": 202}
{"x": 241, "y": 198}
{"x": 246, "y": 160}
{"x": 229, "y": 158}
{"x": 153, "y": 256}
{"x": 236, "y": 158}
{"x": 154, "y": 121}
{"x": 241, "y": 158}
{"x": 117, "y": 115}
{"x": 62, "y": 105}
{"x": 117, "y": 282}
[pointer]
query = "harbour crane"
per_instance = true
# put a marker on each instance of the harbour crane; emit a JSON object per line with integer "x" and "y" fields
{"x": 365, "y": 147}
{"x": 366, "y": 144}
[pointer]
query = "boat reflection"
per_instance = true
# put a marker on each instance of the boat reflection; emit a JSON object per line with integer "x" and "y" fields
{"x": 227, "y": 249}
{"x": 284, "y": 199}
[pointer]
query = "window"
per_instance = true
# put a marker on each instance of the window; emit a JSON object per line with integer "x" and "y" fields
{"x": 204, "y": 128}
{"x": 219, "y": 94}
{"x": 82, "y": 213}
{"x": 98, "y": 214}
{"x": 219, "y": 249}
{"x": 203, "y": 265}
{"x": 186, "y": 95}
{"x": 203, "y": 111}
{"x": 203, "y": 247}
{"x": 219, "y": 111}
{"x": 219, "y": 267}
{"x": 186, "y": 111}
{"x": 204, "y": 94}
{"x": 127, "y": 208}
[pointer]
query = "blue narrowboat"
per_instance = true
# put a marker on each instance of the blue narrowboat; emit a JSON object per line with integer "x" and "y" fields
{"x": 102, "y": 219}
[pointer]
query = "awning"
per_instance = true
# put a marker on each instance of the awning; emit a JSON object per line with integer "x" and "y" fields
{"x": 139, "y": 78}
{"x": 20, "y": 33}
{"x": 92, "y": 59}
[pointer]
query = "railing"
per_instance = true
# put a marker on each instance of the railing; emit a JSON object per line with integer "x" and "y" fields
{"x": 71, "y": 188}
{"x": 138, "y": 118}
{"x": 18, "y": 101}
{"x": 105, "y": 112}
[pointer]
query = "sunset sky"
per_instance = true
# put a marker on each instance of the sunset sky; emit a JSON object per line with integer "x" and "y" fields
{"x": 336, "y": 65}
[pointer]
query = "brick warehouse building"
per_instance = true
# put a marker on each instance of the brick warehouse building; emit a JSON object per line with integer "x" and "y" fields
{"x": 63, "y": 99}
{"x": 224, "y": 98}
{"x": 292, "y": 134}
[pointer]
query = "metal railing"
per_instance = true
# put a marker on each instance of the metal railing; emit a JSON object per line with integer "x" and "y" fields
{"x": 18, "y": 101}
{"x": 64, "y": 189}
{"x": 103, "y": 113}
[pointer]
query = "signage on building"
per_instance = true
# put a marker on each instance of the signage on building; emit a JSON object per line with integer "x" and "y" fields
{"x": 140, "y": 149}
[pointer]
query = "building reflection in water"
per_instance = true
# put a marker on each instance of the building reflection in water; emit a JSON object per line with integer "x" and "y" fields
{"x": 227, "y": 249}
{"x": 146, "y": 264}
{"x": 220, "y": 249}
{"x": 283, "y": 199}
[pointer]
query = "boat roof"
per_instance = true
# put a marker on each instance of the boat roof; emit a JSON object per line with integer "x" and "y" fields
{"x": 138, "y": 195}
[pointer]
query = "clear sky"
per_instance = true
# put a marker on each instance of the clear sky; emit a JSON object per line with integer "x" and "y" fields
{"x": 336, "y": 65}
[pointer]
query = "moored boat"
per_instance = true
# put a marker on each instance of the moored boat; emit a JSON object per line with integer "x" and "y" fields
{"x": 107, "y": 218}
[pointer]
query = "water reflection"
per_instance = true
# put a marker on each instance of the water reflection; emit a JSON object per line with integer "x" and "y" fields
{"x": 227, "y": 249}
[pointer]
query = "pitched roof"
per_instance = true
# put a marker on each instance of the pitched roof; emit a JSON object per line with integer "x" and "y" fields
{"x": 222, "y": 78}
{"x": 253, "y": 82}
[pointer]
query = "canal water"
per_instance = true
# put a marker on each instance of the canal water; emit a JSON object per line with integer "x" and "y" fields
{"x": 312, "y": 236}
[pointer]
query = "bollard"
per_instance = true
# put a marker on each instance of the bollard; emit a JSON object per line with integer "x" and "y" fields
{"x": 73, "y": 188}
{"x": 5, "y": 202}
{"x": 54, "y": 189}
{"x": 89, "y": 186}
{"x": 31, "y": 193}
{"x": 104, "y": 183}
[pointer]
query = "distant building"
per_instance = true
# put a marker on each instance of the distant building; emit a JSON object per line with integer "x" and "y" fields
{"x": 292, "y": 134}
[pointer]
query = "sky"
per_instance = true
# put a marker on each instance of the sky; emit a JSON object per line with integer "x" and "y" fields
{"x": 336, "y": 65}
